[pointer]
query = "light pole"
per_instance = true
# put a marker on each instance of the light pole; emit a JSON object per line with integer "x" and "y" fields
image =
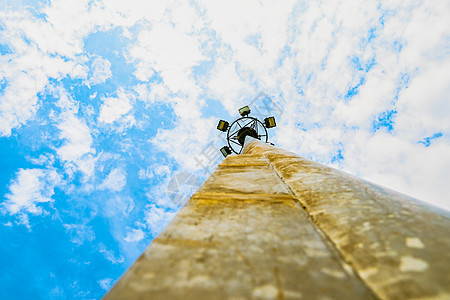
{"x": 272, "y": 224}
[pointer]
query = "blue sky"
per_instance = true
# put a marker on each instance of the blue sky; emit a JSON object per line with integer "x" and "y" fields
{"x": 105, "y": 105}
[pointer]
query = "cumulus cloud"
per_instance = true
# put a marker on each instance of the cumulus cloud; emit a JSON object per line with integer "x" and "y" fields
{"x": 113, "y": 108}
{"x": 100, "y": 71}
{"x": 169, "y": 51}
{"x": 227, "y": 85}
{"x": 193, "y": 134}
{"x": 256, "y": 32}
{"x": 28, "y": 66}
{"x": 156, "y": 218}
{"x": 110, "y": 255}
{"x": 397, "y": 163}
{"x": 134, "y": 235}
{"x": 423, "y": 108}
{"x": 46, "y": 159}
{"x": 53, "y": 48}
{"x": 105, "y": 283}
{"x": 155, "y": 170}
{"x": 26, "y": 75}
{"x": 78, "y": 139}
{"x": 76, "y": 150}
{"x": 115, "y": 181}
{"x": 30, "y": 188}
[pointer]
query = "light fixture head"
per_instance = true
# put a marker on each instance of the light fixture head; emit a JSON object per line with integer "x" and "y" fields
{"x": 223, "y": 125}
{"x": 270, "y": 122}
{"x": 225, "y": 151}
{"x": 244, "y": 111}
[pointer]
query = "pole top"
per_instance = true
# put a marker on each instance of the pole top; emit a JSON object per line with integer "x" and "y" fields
{"x": 243, "y": 127}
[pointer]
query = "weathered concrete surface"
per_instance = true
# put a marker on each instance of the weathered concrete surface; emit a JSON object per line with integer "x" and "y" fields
{"x": 398, "y": 246}
{"x": 243, "y": 235}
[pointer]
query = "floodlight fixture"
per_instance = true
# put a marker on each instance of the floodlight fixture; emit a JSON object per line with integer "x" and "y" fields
{"x": 242, "y": 127}
{"x": 223, "y": 125}
{"x": 225, "y": 151}
{"x": 270, "y": 122}
{"x": 244, "y": 111}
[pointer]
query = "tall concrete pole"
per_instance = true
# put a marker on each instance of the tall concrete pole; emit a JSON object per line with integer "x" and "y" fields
{"x": 268, "y": 224}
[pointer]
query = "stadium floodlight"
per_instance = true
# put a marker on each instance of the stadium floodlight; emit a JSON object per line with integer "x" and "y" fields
{"x": 244, "y": 111}
{"x": 242, "y": 127}
{"x": 225, "y": 151}
{"x": 223, "y": 125}
{"x": 270, "y": 122}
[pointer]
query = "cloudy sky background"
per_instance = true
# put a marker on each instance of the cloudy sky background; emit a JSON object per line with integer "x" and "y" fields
{"x": 102, "y": 103}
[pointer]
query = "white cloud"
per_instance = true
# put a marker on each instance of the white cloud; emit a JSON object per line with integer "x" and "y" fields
{"x": 113, "y": 108}
{"x": 151, "y": 93}
{"x": 105, "y": 283}
{"x": 30, "y": 188}
{"x": 46, "y": 159}
{"x": 100, "y": 71}
{"x": 110, "y": 255}
{"x": 228, "y": 86}
{"x": 394, "y": 162}
{"x": 76, "y": 151}
{"x": 134, "y": 235}
{"x": 53, "y": 48}
{"x": 186, "y": 140}
{"x": 171, "y": 52}
{"x": 115, "y": 181}
{"x": 157, "y": 218}
{"x": 26, "y": 75}
{"x": 77, "y": 136}
{"x": 80, "y": 233}
{"x": 28, "y": 66}
{"x": 155, "y": 170}
{"x": 117, "y": 208}
{"x": 424, "y": 108}
{"x": 235, "y": 21}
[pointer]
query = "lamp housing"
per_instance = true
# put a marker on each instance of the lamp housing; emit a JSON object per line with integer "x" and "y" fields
{"x": 225, "y": 150}
{"x": 223, "y": 125}
{"x": 270, "y": 122}
{"x": 244, "y": 111}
